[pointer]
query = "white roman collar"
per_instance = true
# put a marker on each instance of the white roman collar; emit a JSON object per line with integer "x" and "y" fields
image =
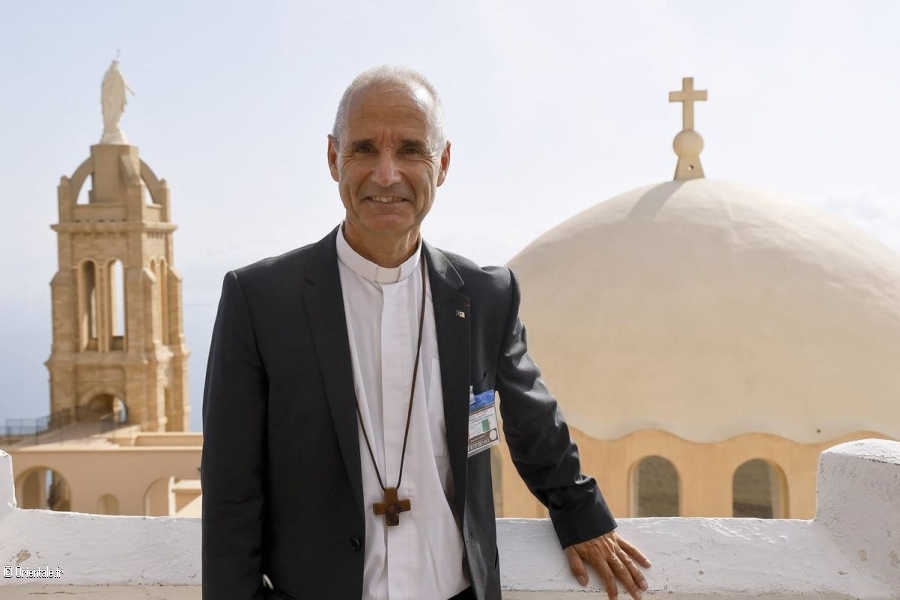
{"x": 371, "y": 271}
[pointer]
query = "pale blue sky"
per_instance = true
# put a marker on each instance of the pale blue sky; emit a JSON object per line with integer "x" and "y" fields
{"x": 551, "y": 108}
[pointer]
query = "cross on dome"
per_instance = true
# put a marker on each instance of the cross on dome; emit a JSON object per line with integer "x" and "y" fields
{"x": 688, "y": 144}
{"x": 687, "y": 96}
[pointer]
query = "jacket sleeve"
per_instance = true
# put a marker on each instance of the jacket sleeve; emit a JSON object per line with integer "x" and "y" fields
{"x": 539, "y": 442}
{"x": 233, "y": 463}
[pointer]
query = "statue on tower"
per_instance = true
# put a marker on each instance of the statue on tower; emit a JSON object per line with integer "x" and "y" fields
{"x": 113, "y": 100}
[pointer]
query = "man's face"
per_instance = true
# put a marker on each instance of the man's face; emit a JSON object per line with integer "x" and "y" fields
{"x": 385, "y": 163}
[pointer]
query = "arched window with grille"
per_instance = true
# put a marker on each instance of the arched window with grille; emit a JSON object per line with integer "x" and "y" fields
{"x": 656, "y": 488}
{"x": 107, "y": 504}
{"x": 759, "y": 490}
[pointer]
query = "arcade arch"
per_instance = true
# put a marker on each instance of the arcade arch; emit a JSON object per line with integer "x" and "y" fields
{"x": 759, "y": 490}
{"x": 656, "y": 488}
{"x": 43, "y": 488}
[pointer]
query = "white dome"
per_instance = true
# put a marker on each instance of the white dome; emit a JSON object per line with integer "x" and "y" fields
{"x": 709, "y": 309}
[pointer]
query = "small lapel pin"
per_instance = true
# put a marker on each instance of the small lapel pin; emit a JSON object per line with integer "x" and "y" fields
{"x": 460, "y": 314}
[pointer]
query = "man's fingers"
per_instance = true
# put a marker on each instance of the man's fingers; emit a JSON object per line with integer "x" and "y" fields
{"x": 614, "y": 559}
{"x": 577, "y": 565}
{"x": 634, "y": 553}
{"x": 636, "y": 574}
{"x": 609, "y": 580}
{"x": 623, "y": 574}
{"x": 602, "y": 558}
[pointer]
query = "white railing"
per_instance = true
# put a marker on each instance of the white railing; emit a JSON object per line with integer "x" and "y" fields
{"x": 850, "y": 550}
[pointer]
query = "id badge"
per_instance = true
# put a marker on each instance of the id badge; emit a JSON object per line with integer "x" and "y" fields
{"x": 483, "y": 430}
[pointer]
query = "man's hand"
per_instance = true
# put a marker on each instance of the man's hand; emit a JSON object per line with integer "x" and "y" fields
{"x": 613, "y": 558}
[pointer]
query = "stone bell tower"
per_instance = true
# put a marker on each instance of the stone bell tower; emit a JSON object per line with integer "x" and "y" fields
{"x": 118, "y": 343}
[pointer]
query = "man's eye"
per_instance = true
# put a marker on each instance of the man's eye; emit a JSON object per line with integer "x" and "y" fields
{"x": 411, "y": 150}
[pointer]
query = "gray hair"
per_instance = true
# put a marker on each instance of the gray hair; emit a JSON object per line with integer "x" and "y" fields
{"x": 398, "y": 78}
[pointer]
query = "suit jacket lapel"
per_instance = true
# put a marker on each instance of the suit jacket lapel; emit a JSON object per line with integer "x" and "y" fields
{"x": 452, "y": 321}
{"x": 325, "y": 311}
{"x": 328, "y": 323}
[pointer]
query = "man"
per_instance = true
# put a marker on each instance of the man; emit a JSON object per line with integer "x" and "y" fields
{"x": 348, "y": 384}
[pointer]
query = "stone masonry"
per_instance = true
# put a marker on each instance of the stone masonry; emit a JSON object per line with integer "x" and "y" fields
{"x": 118, "y": 338}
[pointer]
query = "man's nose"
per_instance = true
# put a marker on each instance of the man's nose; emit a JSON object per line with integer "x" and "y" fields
{"x": 386, "y": 171}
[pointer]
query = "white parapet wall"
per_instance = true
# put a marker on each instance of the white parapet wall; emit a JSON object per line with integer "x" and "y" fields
{"x": 850, "y": 550}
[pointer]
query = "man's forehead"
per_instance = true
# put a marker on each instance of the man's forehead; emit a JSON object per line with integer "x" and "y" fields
{"x": 399, "y": 93}
{"x": 378, "y": 105}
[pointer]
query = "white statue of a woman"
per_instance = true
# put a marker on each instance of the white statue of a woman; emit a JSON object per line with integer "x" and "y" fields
{"x": 113, "y": 100}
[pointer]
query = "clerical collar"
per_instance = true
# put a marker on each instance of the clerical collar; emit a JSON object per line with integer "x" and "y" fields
{"x": 366, "y": 269}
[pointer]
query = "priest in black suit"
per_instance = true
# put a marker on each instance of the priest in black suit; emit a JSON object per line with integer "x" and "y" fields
{"x": 350, "y": 396}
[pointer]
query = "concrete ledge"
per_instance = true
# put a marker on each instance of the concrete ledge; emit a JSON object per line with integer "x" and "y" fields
{"x": 696, "y": 558}
{"x": 858, "y": 491}
{"x": 101, "y": 550}
{"x": 94, "y": 550}
{"x": 98, "y": 592}
{"x": 7, "y": 485}
{"x": 849, "y": 551}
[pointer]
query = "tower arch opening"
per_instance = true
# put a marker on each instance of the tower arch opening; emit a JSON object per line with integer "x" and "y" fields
{"x": 163, "y": 277}
{"x": 117, "y": 305}
{"x": 105, "y": 408}
{"x": 88, "y": 305}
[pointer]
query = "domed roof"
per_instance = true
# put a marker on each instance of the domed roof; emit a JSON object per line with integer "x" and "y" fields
{"x": 710, "y": 309}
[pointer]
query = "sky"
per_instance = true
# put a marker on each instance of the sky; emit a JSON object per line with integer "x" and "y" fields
{"x": 551, "y": 108}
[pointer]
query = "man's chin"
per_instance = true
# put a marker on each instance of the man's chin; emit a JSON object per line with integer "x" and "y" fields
{"x": 388, "y": 225}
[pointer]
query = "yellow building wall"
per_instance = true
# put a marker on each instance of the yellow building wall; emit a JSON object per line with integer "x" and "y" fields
{"x": 705, "y": 471}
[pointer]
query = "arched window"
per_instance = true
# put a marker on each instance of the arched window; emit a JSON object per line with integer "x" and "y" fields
{"x": 107, "y": 504}
{"x": 154, "y": 317}
{"x": 159, "y": 499}
{"x": 157, "y": 268}
{"x": 656, "y": 488}
{"x": 164, "y": 300}
{"x": 759, "y": 490}
{"x": 117, "y": 305}
{"x": 43, "y": 488}
{"x": 89, "y": 314}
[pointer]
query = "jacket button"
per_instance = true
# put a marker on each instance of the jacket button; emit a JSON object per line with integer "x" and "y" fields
{"x": 355, "y": 544}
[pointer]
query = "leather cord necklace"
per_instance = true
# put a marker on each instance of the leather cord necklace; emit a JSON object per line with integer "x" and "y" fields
{"x": 392, "y": 505}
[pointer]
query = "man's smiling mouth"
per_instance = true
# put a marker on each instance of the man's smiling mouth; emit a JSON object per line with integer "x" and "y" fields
{"x": 385, "y": 199}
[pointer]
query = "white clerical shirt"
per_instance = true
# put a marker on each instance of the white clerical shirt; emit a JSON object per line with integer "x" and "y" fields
{"x": 422, "y": 558}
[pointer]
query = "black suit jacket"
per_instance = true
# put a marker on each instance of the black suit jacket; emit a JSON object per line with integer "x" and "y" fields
{"x": 282, "y": 486}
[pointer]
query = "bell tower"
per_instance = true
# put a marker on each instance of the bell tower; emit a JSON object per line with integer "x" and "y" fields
{"x": 118, "y": 342}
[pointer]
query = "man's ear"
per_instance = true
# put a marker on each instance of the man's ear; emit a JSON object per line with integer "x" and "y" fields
{"x": 332, "y": 157}
{"x": 445, "y": 164}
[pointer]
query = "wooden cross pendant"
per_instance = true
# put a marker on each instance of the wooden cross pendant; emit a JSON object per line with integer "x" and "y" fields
{"x": 391, "y": 507}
